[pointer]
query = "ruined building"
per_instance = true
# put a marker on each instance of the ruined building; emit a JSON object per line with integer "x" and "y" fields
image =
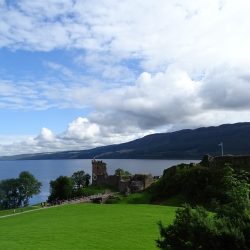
{"x": 236, "y": 161}
{"x": 126, "y": 184}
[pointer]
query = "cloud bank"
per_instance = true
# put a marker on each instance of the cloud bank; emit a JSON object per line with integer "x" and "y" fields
{"x": 148, "y": 66}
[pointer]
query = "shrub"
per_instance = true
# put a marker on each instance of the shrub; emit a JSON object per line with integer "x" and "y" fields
{"x": 228, "y": 229}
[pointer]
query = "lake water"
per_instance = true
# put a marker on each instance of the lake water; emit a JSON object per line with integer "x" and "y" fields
{"x": 47, "y": 170}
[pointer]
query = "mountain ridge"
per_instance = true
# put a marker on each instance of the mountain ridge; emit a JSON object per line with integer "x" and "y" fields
{"x": 182, "y": 144}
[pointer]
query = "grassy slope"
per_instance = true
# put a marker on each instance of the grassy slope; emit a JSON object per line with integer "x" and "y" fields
{"x": 17, "y": 210}
{"x": 85, "y": 226}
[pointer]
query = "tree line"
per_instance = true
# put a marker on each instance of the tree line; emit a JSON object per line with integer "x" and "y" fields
{"x": 17, "y": 192}
{"x": 64, "y": 187}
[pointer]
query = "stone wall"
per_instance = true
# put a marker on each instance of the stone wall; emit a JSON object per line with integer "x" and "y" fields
{"x": 237, "y": 161}
{"x": 146, "y": 179}
{"x": 113, "y": 180}
{"x": 134, "y": 183}
{"x": 149, "y": 179}
{"x": 124, "y": 186}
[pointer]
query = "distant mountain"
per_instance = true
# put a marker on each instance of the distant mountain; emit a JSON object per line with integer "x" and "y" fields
{"x": 183, "y": 144}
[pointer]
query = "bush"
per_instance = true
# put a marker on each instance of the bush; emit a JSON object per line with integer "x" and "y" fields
{"x": 229, "y": 228}
{"x": 197, "y": 229}
{"x": 197, "y": 184}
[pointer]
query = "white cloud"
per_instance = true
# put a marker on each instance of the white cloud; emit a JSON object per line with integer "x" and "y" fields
{"x": 80, "y": 134}
{"x": 46, "y": 135}
{"x": 163, "y": 101}
{"x": 33, "y": 94}
{"x": 192, "y": 58}
{"x": 157, "y": 33}
{"x": 226, "y": 88}
{"x": 154, "y": 100}
{"x": 82, "y": 129}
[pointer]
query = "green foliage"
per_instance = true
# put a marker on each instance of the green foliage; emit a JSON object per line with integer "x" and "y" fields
{"x": 28, "y": 186}
{"x": 122, "y": 173}
{"x": 80, "y": 181}
{"x": 135, "y": 198}
{"x": 170, "y": 184}
{"x": 189, "y": 230}
{"x": 196, "y": 229}
{"x": 197, "y": 184}
{"x": 93, "y": 189}
{"x": 9, "y": 193}
{"x": 17, "y": 192}
{"x": 61, "y": 188}
{"x": 65, "y": 187}
{"x": 229, "y": 228}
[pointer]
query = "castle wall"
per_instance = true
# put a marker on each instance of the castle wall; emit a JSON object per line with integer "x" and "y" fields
{"x": 113, "y": 180}
{"x": 136, "y": 183}
{"x": 100, "y": 180}
{"x": 237, "y": 161}
{"x": 149, "y": 179}
{"x": 146, "y": 180}
{"x": 124, "y": 186}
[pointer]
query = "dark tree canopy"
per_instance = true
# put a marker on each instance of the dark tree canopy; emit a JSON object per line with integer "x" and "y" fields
{"x": 9, "y": 194}
{"x": 28, "y": 186}
{"x": 61, "y": 188}
{"x": 17, "y": 192}
{"x": 228, "y": 228}
{"x": 80, "y": 179}
{"x": 65, "y": 187}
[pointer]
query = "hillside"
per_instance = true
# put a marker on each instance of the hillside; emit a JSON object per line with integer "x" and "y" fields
{"x": 183, "y": 144}
{"x": 86, "y": 226}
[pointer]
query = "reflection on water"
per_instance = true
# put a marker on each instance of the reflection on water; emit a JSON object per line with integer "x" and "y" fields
{"x": 47, "y": 170}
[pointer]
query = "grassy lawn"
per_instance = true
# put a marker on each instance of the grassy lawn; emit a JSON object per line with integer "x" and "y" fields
{"x": 85, "y": 226}
{"x": 17, "y": 210}
{"x": 145, "y": 198}
{"x": 135, "y": 198}
{"x": 90, "y": 190}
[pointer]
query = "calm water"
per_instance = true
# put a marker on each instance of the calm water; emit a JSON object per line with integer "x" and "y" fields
{"x": 47, "y": 170}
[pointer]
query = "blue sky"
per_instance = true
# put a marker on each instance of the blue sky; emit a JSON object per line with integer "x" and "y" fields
{"x": 21, "y": 65}
{"x": 80, "y": 74}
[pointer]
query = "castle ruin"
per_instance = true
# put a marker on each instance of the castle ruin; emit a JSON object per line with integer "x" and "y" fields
{"x": 236, "y": 161}
{"x": 132, "y": 183}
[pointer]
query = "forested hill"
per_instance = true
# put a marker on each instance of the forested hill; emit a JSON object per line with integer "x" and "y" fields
{"x": 183, "y": 144}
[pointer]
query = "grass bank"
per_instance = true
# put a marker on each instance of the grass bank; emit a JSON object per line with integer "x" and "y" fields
{"x": 85, "y": 226}
{"x": 17, "y": 210}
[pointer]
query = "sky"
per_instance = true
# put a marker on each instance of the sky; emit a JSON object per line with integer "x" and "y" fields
{"x": 76, "y": 74}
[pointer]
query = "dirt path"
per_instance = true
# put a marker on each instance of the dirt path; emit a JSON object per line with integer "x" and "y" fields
{"x": 74, "y": 201}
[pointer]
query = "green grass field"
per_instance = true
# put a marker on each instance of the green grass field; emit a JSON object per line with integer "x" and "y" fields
{"x": 85, "y": 226}
{"x": 17, "y": 210}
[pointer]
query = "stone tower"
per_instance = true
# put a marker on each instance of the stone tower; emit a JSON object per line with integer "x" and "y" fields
{"x": 99, "y": 172}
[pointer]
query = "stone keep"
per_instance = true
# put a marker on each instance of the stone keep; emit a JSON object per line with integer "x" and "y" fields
{"x": 99, "y": 171}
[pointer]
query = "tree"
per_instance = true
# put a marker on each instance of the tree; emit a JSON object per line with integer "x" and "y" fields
{"x": 17, "y": 192}
{"x": 80, "y": 179}
{"x": 61, "y": 188}
{"x": 28, "y": 186}
{"x": 122, "y": 173}
{"x": 9, "y": 194}
{"x": 228, "y": 229}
